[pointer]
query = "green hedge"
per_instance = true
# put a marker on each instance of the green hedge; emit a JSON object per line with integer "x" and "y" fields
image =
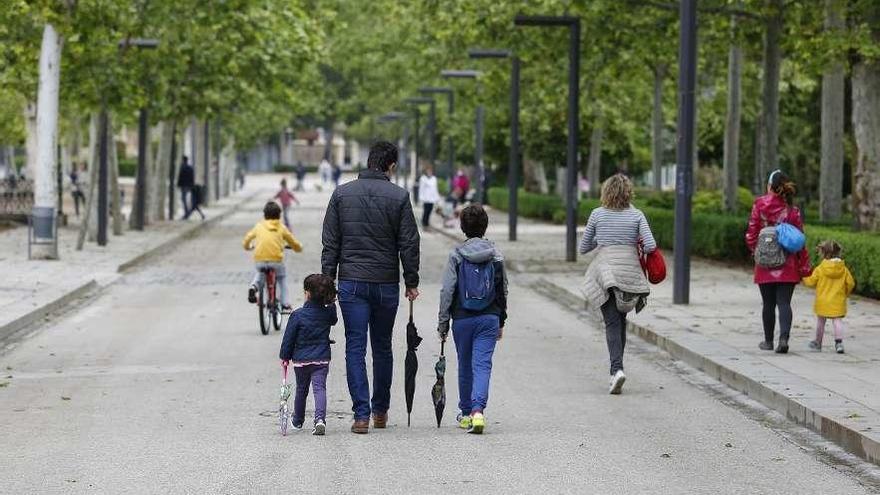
{"x": 716, "y": 236}
{"x": 127, "y": 167}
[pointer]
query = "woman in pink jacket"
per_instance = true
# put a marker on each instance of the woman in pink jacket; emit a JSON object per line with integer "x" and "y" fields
{"x": 777, "y": 284}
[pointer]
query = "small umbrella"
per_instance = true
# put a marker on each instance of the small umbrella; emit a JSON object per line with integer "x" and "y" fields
{"x": 438, "y": 392}
{"x": 411, "y": 364}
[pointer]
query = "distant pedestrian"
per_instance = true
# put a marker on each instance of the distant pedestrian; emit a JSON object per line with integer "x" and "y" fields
{"x": 834, "y": 283}
{"x": 300, "y": 176}
{"x": 336, "y": 174}
{"x": 776, "y": 283}
{"x": 286, "y": 198}
{"x": 76, "y": 189}
{"x": 369, "y": 231}
{"x": 429, "y": 195}
{"x": 614, "y": 282}
{"x": 459, "y": 188}
{"x": 325, "y": 170}
{"x": 307, "y": 344}
{"x": 186, "y": 180}
{"x": 474, "y": 296}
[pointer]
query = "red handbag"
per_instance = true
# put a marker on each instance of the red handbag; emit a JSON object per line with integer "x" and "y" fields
{"x": 653, "y": 265}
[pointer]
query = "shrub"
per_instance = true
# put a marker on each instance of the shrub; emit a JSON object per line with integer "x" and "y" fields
{"x": 127, "y": 167}
{"x": 716, "y": 236}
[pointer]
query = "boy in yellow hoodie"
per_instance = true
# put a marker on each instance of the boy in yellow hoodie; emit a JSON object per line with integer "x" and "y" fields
{"x": 833, "y": 283}
{"x": 268, "y": 239}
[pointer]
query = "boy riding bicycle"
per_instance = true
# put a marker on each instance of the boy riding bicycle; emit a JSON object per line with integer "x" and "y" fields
{"x": 269, "y": 238}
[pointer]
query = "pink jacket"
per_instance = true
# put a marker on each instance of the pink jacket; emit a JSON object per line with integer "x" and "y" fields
{"x": 771, "y": 209}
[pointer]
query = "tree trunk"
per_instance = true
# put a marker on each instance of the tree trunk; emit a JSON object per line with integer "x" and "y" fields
{"x": 534, "y": 177}
{"x": 150, "y": 176}
{"x": 328, "y": 136}
{"x": 45, "y": 178}
{"x": 732, "y": 122}
{"x": 115, "y": 190}
{"x": 768, "y": 129}
{"x": 30, "y": 124}
{"x": 594, "y": 163}
{"x": 227, "y": 166}
{"x": 163, "y": 165}
{"x": 831, "y": 168}
{"x": 866, "y": 129}
{"x": 89, "y": 224}
{"x": 656, "y": 126}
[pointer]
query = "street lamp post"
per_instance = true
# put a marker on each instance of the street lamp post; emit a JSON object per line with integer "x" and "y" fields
{"x": 431, "y": 123}
{"x": 514, "y": 160}
{"x": 402, "y": 153}
{"x": 140, "y": 206}
{"x": 478, "y": 131}
{"x": 450, "y": 158}
{"x": 574, "y": 26}
{"x": 687, "y": 75}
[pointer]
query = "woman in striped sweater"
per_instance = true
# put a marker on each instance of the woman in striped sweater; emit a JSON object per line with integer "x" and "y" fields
{"x": 614, "y": 281}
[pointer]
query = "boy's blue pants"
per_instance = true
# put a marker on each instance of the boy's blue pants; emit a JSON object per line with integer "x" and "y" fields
{"x": 475, "y": 339}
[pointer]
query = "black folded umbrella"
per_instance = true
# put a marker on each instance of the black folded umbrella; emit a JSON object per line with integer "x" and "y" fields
{"x": 411, "y": 364}
{"x": 438, "y": 391}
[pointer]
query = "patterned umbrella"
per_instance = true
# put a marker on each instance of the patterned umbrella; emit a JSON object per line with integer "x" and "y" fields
{"x": 438, "y": 391}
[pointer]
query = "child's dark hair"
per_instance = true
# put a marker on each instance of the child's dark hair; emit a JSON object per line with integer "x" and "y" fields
{"x": 829, "y": 249}
{"x": 321, "y": 289}
{"x": 271, "y": 211}
{"x": 783, "y": 186}
{"x": 474, "y": 221}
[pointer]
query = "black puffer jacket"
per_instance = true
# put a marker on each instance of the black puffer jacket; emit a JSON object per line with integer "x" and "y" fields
{"x": 368, "y": 226}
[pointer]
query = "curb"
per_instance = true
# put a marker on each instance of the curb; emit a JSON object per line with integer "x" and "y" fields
{"x": 843, "y": 421}
{"x": 184, "y": 235}
{"x": 7, "y": 330}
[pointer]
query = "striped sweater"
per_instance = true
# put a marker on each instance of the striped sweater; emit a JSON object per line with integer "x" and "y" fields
{"x": 608, "y": 227}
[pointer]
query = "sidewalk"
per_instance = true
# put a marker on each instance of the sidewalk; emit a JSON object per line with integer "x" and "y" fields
{"x": 32, "y": 290}
{"x": 838, "y": 396}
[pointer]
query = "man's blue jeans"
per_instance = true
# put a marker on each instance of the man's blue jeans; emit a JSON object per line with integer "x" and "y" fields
{"x": 475, "y": 340}
{"x": 368, "y": 305}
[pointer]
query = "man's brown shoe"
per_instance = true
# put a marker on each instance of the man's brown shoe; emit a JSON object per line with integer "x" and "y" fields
{"x": 360, "y": 426}
{"x": 380, "y": 420}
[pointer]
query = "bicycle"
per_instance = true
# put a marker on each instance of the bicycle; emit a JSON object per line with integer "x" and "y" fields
{"x": 268, "y": 305}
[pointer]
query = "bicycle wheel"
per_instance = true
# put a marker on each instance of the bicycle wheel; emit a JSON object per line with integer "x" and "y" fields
{"x": 276, "y": 312}
{"x": 262, "y": 307}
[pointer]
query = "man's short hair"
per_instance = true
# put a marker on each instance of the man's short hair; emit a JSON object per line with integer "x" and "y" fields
{"x": 474, "y": 221}
{"x": 382, "y": 155}
{"x": 271, "y": 211}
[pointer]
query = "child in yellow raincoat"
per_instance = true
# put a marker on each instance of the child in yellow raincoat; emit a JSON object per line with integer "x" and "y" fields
{"x": 833, "y": 283}
{"x": 268, "y": 239}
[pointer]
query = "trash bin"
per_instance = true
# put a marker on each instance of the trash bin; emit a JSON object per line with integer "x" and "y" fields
{"x": 43, "y": 229}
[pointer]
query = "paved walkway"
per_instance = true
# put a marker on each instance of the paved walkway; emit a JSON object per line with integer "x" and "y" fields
{"x": 29, "y": 290}
{"x": 164, "y": 384}
{"x": 837, "y": 395}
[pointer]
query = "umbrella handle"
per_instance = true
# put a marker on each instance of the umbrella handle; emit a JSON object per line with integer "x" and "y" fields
{"x": 284, "y": 374}
{"x": 411, "y": 311}
{"x": 442, "y": 346}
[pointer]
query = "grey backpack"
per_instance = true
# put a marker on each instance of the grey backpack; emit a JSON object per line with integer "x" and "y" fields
{"x": 768, "y": 252}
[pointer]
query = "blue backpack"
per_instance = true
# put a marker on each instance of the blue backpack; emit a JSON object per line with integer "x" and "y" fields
{"x": 476, "y": 285}
{"x": 789, "y": 237}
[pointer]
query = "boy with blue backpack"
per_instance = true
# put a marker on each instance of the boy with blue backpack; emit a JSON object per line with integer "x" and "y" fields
{"x": 474, "y": 296}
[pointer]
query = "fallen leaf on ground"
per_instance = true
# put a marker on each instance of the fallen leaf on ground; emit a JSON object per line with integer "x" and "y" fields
{"x": 65, "y": 398}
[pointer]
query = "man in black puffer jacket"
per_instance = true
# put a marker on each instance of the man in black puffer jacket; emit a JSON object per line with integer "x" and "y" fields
{"x": 369, "y": 231}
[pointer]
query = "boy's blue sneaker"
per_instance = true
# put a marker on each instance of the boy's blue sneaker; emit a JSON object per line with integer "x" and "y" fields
{"x": 478, "y": 423}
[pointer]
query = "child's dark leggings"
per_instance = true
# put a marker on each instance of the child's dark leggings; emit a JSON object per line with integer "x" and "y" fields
{"x": 776, "y": 295}
{"x": 316, "y": 375}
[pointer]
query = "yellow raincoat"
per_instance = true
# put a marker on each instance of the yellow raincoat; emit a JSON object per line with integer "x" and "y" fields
{"x": 269, "y": 237}
{"x": 833, "y": 283}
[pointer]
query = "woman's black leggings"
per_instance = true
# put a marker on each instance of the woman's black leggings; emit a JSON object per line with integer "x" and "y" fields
{"x": 776, "y": 295}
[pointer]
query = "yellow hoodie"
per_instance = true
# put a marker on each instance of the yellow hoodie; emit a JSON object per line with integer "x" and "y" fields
{"x": 270, "y": 237}
{"x": 833, "y": 283}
